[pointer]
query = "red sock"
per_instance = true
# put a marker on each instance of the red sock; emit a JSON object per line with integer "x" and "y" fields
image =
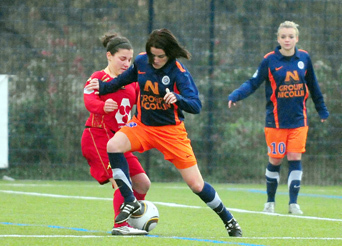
{"x": 117, "y": 201}
{"x": 139, "y": 196}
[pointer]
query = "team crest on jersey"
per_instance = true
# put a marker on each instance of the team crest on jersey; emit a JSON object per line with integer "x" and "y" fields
{"x": 166, "y": 80}
{"x": 131, "y": 124}
{"x": 301, "y": 65}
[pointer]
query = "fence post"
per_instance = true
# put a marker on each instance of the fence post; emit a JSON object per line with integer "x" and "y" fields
{"x": 211, "y": 64}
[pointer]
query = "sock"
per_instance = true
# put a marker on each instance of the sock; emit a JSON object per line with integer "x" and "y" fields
{"x": 117, "y": 201}
{"x": 212, "y": 199}
{"x": 272, "y": 181}
{"x": 139, "y": 196}
{"x": 121, "y": 175}
{"x": 294, "y": 178}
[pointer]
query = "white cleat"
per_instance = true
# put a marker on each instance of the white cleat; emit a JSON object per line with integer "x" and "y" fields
{"x": 128, "y": 231}
{"x": 269, "y": 207}
{"x": 295, "y": 209}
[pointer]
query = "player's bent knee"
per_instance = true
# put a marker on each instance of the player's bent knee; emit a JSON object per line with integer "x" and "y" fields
{"x": 114, "y": 147}
{"x": 196, "y": 187}
{"x": 275, "y": 161}
{"x": 141, "y": 183}
{"x": 118, "y": 144}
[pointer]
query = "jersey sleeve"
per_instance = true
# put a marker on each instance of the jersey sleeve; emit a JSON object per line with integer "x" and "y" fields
{"x": 188, "y": 97}
{"x": 315, "y": 91}
{"x": 251, "y": 85}
{"x": 137, "y": 92}
{"x": 92, "y": 101}
{"x": 127, "y": 77}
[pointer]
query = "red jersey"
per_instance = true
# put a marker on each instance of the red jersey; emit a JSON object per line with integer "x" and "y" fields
{"x": 125, "y": 97}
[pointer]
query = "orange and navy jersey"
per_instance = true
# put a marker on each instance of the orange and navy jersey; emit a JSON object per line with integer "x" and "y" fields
{"x": 125, "y": 97}
{"x": 152, "y": 110}
{"x": 289, "y": 80}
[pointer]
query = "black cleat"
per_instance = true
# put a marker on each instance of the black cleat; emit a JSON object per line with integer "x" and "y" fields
{"x": 127, "y": 209}
{"x": 233, "y": 228}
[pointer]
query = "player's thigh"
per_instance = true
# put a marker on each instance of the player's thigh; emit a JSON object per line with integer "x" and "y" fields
{"x": 136, "y": 137}
{"x": 119, "y": 143}
{"x": 94, "y": 150}
{"x": 93, "y": 144}
{"x": 276, "y": 140}
{"x": 297, "y": 139}
{"x": 176, "y": 148}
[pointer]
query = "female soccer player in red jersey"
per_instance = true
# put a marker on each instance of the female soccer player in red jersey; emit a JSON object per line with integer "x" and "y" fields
{"x": 289, "y": 77}
{"x": 166, "y": 89}
{"x": 108, "y": 113}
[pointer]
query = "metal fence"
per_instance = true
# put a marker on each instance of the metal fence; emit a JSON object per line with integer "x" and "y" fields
{"x": 50, "y": 48}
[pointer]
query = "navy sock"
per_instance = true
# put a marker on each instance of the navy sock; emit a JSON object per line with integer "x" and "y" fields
{"x": 272, "y": 181}
{"x": 120, "y": 169}
{"x": 212, "y": 199}
{"x": 294, "y": 180}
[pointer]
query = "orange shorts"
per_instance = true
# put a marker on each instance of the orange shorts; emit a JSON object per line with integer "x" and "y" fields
{"x": 281, "y": 141}
{"x": 171, "y": 140}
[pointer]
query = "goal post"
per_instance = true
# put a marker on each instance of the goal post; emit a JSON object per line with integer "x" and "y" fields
{"x": 3, "y": 121}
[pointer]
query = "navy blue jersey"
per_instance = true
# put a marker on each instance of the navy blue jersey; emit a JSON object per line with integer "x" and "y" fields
{"x": 288, "y": 84}
{"x": 151, "y": 107}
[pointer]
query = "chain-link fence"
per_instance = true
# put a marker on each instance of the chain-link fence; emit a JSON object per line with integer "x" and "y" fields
{"x": 50, "y": 48}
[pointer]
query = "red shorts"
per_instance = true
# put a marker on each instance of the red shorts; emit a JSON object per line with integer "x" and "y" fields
{"x": 281, "y": 141}
{"x": 94, "y": 149}
{"x": 171, "y": 140}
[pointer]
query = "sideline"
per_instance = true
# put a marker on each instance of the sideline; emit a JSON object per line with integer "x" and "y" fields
{"x": 156, "y": 236}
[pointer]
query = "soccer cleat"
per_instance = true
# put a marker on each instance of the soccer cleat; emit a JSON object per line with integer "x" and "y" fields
{"x": 126, "y": 230}
{"x": 295, "y": 209}
{"x": 127, "y": 209}
{"x": 233, "y": 228}
{"x": 141, "y": 210}
{"x": 269, "y": 207}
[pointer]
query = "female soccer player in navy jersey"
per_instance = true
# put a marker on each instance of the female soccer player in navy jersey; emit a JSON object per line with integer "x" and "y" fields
{"x": 108, "y": 113}
{"x": 166, "y": 89}
{"x": 289, "y": 77}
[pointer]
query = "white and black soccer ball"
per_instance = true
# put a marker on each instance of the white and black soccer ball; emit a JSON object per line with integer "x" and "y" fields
{"x": 145, "y": 219}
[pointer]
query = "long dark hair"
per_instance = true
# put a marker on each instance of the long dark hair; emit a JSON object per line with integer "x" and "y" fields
{"x": 165, "y": 40}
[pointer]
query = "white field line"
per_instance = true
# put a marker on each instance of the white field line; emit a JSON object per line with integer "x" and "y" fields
{"x": 165, "y": 204}
{"x": 56, "y": 236}
{"x": 11, "y": 184}
{"x": 110, "y": 236}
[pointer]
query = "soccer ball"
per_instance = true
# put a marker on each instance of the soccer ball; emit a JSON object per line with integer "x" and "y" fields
{"x": 145, "y": 219}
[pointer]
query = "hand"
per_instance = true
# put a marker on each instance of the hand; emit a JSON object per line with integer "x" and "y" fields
{"x": 110, "y": 105}
{"x": 170, "y": 97}
{"x": 93, "y": 85}
{"x": 230, "y": 104}
{"x": 323, "y": 120}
